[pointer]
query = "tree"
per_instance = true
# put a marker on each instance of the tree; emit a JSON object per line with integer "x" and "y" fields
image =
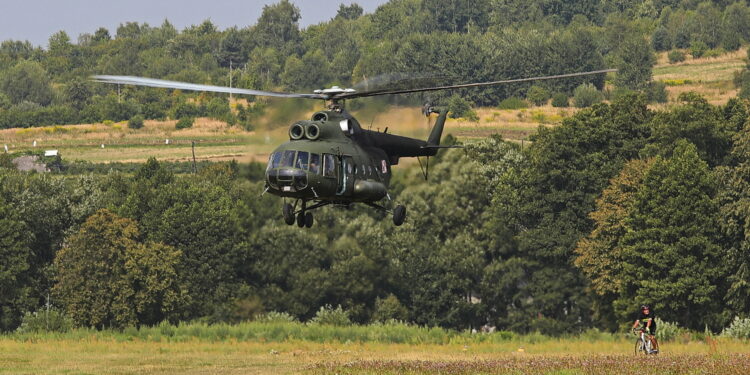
{"x": 660, "y": 39}
{"x": 15, "y": 273}
{"x": 27, "y": 81}
{"x": 671, "y": 253}
{"x": 106, "y": 278}
{"x": 538, "y": 95}
{"x": 278, "y": 26}
{"x": 634, "y": 61}
{"x": 586, "y": 95}
{"x": 350, "y": 12}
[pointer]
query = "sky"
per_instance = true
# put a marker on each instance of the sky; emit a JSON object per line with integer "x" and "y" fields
{"x": 37, "y": 20}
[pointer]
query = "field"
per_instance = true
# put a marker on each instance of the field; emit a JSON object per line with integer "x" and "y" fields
{"x": 214, "y": 140}
{"x": 566, "y": 356}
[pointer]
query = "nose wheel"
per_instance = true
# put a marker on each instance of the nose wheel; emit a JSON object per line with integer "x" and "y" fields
{"x": 399, "y": 215}
{"x": 303, "y": 217}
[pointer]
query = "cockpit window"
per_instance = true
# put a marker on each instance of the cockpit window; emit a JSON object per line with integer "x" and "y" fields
{"x": 302, "y": 160}
{"x": 273, "y": 161}
{"x": 315, "y": 163}
{"x": 329, "y": 165}
{"x": 287, "y": 159}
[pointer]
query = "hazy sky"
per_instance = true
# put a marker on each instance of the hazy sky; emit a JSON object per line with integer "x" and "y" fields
{"x": 36, "y": 20}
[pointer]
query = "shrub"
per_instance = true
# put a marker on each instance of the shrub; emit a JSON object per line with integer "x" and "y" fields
{"x": 389, "y": 309}
{"x": 586, "y": 95}
{"x": 277, "y": 317}
{"x": 513, "y": 103}
{"x": 461, "y": 108}
{"x": 45, "y": 321}
{"x": 661, "y": 40}
{"x": 668, "y": 331}
{"x": 715, "y": 52}
{"x": 108, "y": 122}
{"x": 538, "y": 95}
{"x": 739, "y": 329}
{"x": 676, "y": 57}
{"x": 560, "y": 100}
{"x": 135, "y": 122}
{"x": 697, "y": 49}
{"x": 327, "y": 315}
{"x": 184, "y": 123}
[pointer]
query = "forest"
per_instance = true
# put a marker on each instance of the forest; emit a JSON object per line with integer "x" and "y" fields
{"x": 622, "y": 204}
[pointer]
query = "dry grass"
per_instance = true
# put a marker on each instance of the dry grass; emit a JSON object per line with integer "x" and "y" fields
{"x": 711, "y": 76}
{"x": 90, "y": 356}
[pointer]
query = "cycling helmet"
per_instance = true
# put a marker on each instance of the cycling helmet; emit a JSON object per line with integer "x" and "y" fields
{"x": 644, "y": 307}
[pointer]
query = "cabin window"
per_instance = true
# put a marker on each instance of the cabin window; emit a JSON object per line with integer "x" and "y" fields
{"x": 287, "y": 159}
{"x": 302, "y": 160}
{"x": 329, "y": 165}
{"x": 315, "y": 163}
{"x": 273, "y": 161}
{"x": 349, "y": 168}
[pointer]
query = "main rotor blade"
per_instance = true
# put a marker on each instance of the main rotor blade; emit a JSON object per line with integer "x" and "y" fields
{"x": 477, "y": 84}
{"x": 160, "y": 83}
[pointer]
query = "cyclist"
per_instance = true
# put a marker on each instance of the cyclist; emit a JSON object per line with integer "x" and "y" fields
{"x": 646, "y": 319}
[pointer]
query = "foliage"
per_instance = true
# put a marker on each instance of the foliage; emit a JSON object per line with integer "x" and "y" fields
{"x": 676, "y": 57}
{"x": 15, "y": 264}
{"x": 513, "y": 103}
{"x": 106, "y": 278}
{"x": 739, "y": 329}
{"x": 27, "y": 82}
{"x": 698, "y": 49}
{"x": 586, "y": 95}
{"x": 184, "y": 123}
{"x": 560, "y": 100}
{"x": 276, "y": 317}
{"x": 327, "y": 315}
{"x": 45, "y": 321}
{"x": 634, "y": 61}
{"x": 538, "y": 95}
{"x": 461, "y": 108}
{"x": 668, "y": 331}
{"x": 136, "y": 122}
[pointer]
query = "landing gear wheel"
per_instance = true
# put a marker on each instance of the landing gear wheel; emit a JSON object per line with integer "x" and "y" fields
{"x": 309, "y": 220}
{"x": 300, "y": 220}
{"x": 399, "y": 215}
{"x": 288, "y": 212}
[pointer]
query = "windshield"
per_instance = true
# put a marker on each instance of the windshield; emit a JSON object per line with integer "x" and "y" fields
{"x": 287, "y": 159}
{"x": 273, "y": 161}
{"x": 302, "y": 159}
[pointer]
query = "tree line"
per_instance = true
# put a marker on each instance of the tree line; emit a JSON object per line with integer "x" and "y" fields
{"x": 445, "y": 41}
{"x": 620, "y": 205}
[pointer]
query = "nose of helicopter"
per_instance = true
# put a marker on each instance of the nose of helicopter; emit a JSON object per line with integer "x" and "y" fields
{"x": 286, "y": 180}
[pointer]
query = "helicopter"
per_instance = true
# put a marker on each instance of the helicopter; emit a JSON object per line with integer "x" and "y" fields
{"x": 331, "y": 159}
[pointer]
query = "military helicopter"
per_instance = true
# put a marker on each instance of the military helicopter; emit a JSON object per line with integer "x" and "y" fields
{"x": 331, "y": 159}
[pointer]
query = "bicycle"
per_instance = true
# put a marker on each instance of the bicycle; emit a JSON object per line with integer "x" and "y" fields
{"x": 642, "y": 343}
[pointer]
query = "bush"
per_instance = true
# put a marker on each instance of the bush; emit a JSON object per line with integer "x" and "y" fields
{"x": 668, "y": 331}
{"x": 739, "y": 329}
{"x": 45, "y": 321}
{"x": 136, "y": 122}
{"x": 327, "y": 315}
{"x": 538, "y": 95}
{"x": 513, "y": 103}
{"x": 461, "y": 108}
{"x": 676, "y": 57}
{"x": 660, "y": 40}
{"x": 184, "y": 123}
{"x": 560, "y": 100}
{"x": 586, "y": 95}
{"x": 276, "y": 317}
{"x": 697, "y": 49}
{"x": 715, "y": 52}
{"x": 389, "y": 309}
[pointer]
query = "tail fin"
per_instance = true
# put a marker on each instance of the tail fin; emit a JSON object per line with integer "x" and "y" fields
{"x": 437, "y": 130}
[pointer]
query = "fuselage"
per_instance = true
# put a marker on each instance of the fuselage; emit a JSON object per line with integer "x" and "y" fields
{"x": 325, "y": 162}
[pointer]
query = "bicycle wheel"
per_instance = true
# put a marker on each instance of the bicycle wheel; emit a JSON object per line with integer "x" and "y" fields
{"x": 639, "y": 346}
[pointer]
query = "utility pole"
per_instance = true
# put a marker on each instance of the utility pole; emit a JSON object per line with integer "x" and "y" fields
{"x": 195, "y": 169}
{"x": 230, "y": 81}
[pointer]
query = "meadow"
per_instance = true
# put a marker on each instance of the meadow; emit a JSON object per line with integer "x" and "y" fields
{"x": 287, "y": 348}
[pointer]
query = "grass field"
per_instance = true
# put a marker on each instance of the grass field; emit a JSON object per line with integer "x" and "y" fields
{"x": 711, "y": 77}
{"x": 565, "y": 356}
